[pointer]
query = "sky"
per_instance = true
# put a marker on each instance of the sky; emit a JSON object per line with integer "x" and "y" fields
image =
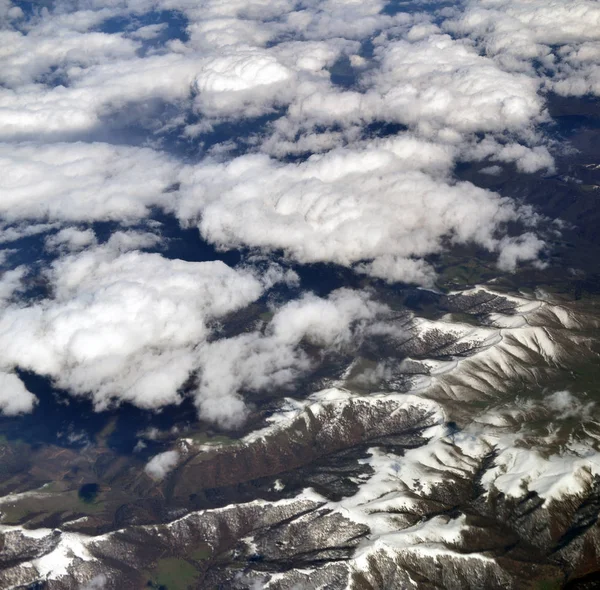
{"x": 296, "y": 132}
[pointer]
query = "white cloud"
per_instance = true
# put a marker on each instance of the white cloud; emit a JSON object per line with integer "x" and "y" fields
{"x": 441, "y": 88}
{"x": 14, "y": 397}
{"x": 95, "y": 93}
{"x": 124, "y": 327}
{"x": 161, "y": 464}
{"x": 149, "y": 31}
{"x": 399, "y": 269}
{"x": 27, "y": 57}
{"x": 579, "y": 70}
{"x": 12, "y": 232}
{"x": 388, "y": 202}
{"x": 527, "y": 159}
{"x": 442, "y": 83}
{"x": 96, "y": 583}
{"x": 274, "y": 359}
{"x": 566, "y": 405}
{"x": 561, "y": 35}
{"x": 82, "y": 182}
{"x": 526, "y": 28}
{"x": 242, "y": 83}
{"x": 11, "y": 282}
{"x": 71, "y": 239}
{"x": 514, "y": 250}
{"x": 9, "y": 11}
{"x": 239, "y": 72}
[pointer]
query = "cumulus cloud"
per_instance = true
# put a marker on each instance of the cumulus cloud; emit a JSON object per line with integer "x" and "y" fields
{"x": 393, "y": 268}
{"x": 579, "y": 70}
{"x": 9, "y": 12}
{"x": 161, "y": 464}
{"x": 242, "y": 79}
{"x": 93, "y": 96}
{"x": 26, "y": 58}
{"x": 96, "y": 583}
{"x": 527, "y": 159}
{"x": 528, "y": 27}
{"x": 273, "y": 359}
{"x": 567, "y": 405}
{"x": 97, "y": 75}
{"x": 71, "y": 239}
{"x": 441, "y": 88}
{"x": 124, "y": 326}
{"x": 388, "y": 204}
{"x": 14, "y": 397}
{"x": 82, "y": 182}
{"x": 442, "y": 83}
{"x": 11, "y": 282}
{"x": 149, "y": 31}
{"x": 562, "y": 36}
{"x": 514, "y": 250}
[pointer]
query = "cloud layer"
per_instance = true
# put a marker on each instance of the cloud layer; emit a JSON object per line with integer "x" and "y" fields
{"x": 123, "y": 326}
{"x": 132, "y": 326}
{"x": 322, "y": 132}
{"x": 386, "y": 206}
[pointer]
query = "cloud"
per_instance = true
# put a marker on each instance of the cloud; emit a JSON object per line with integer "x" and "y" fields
{"x": 274, "y": 358}
{"x": 14, "y": 397}
{"x": 82, "y": 182}
{"x": 149, "y": 31}
{"x": 71, "y": 239}
{"x": 240, "y": 79}
{"x": 11, "y": 282}
{"x": 566, "y": 405}
{"x": 118, "y": 92}
{"x": 560, "y": 36}
{"x": 240, "y": 62}
{"x": 399, "y": 269}
{"x": 96, "y": 583}
{"x": 86, "y": 80}
{"x": 384, "y": 207}
{"x": 9, "y": 11}
{"x": 514, "y": 250}
{"x": 527, "y": 159}
{"x": 10, "y": 232}
{"x": 161, "y": 464}
{"x": 27, "y": 58}
{"x": 528, "y": 27}
{"x": 441, "y": 88}
{"x": 579, "y": 71}
{"x": 124, "y": 326}
{"x": 439, "y": 83}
